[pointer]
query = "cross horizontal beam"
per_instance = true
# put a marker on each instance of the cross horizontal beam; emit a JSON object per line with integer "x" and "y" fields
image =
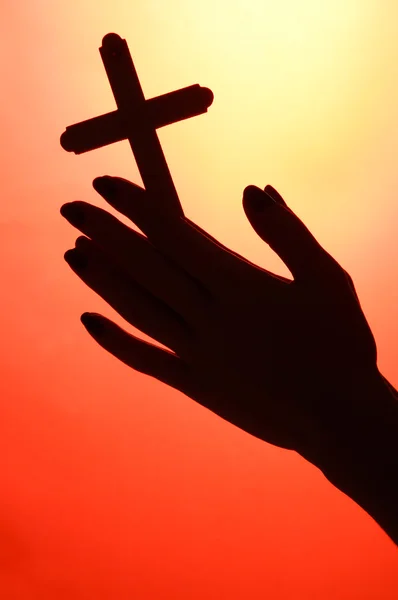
{"x": 160, "y": 111}
{"x": 137, "y": 119}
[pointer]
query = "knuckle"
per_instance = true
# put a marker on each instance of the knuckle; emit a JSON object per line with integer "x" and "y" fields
{"x": 342, "y": 276}
{"x": 349, "y": 278}
{"x": 335, "y": 270}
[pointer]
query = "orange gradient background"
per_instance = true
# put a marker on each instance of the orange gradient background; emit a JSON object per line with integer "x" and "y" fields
{"x": 113, "y": 485}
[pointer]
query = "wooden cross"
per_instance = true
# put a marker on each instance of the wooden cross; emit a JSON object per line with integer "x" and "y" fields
{"x": 137, "y": 119}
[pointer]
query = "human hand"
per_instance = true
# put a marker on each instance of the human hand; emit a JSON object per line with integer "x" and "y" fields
{"x": 273, "y": 356}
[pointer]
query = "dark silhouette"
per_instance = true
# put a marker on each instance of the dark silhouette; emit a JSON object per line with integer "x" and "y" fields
{"x": 137, "y": 119}
{"x": 292, "y": 362}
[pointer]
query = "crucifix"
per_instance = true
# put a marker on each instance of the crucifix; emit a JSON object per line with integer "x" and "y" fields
{"x": 136, "y": 119}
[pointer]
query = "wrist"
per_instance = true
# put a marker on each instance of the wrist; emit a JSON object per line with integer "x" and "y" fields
{"x": 362, "y": 454}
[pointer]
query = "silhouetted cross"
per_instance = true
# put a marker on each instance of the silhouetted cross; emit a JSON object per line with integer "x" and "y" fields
{"x": 137, "y": 119}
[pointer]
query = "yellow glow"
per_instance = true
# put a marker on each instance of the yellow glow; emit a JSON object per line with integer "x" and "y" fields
{"x": 113, "y": 484}
{"x": 305, "y": 99}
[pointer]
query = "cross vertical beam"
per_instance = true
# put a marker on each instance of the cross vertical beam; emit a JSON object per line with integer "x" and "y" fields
{"x": 137, "y": 119}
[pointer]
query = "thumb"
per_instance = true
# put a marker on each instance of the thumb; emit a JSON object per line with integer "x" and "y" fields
{"x": 285, "y": 233}
{"x": 271, "y": 191}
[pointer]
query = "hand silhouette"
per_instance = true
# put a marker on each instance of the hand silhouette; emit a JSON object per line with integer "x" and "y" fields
{"x": 273, "y": 356}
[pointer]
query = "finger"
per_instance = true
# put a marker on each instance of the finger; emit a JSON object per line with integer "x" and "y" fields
{"x": 271, "y": 191}
{"x": 139, "y": 259}
{"x": 141, "y": 356}
{"x": 242, "y": 259}
{"x": 286, "y": 234}
{"x": 128, "y": 298}
{"x": 147, "y": 358}
{"x": 199, "y": 255}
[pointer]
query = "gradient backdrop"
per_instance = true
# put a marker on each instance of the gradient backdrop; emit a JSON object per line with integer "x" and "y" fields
{"x": 114, "y": 486}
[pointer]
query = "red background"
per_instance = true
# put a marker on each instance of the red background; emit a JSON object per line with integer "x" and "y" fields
{"x": 114, "y": 485}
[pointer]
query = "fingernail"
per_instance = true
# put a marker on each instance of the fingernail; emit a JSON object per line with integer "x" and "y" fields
{"x": 105, "y": 186}
{"x": 257, "y": 199}
{"x": 92, "y": 323}
{"x": 73, "y": 213}
{"x": 269, "y": 189}
{"x": 75, "y": 259}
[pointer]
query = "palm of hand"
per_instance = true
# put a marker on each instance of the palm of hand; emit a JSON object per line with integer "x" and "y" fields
{"x": 276, "y": 361}
{"x": 268, "y": 354}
